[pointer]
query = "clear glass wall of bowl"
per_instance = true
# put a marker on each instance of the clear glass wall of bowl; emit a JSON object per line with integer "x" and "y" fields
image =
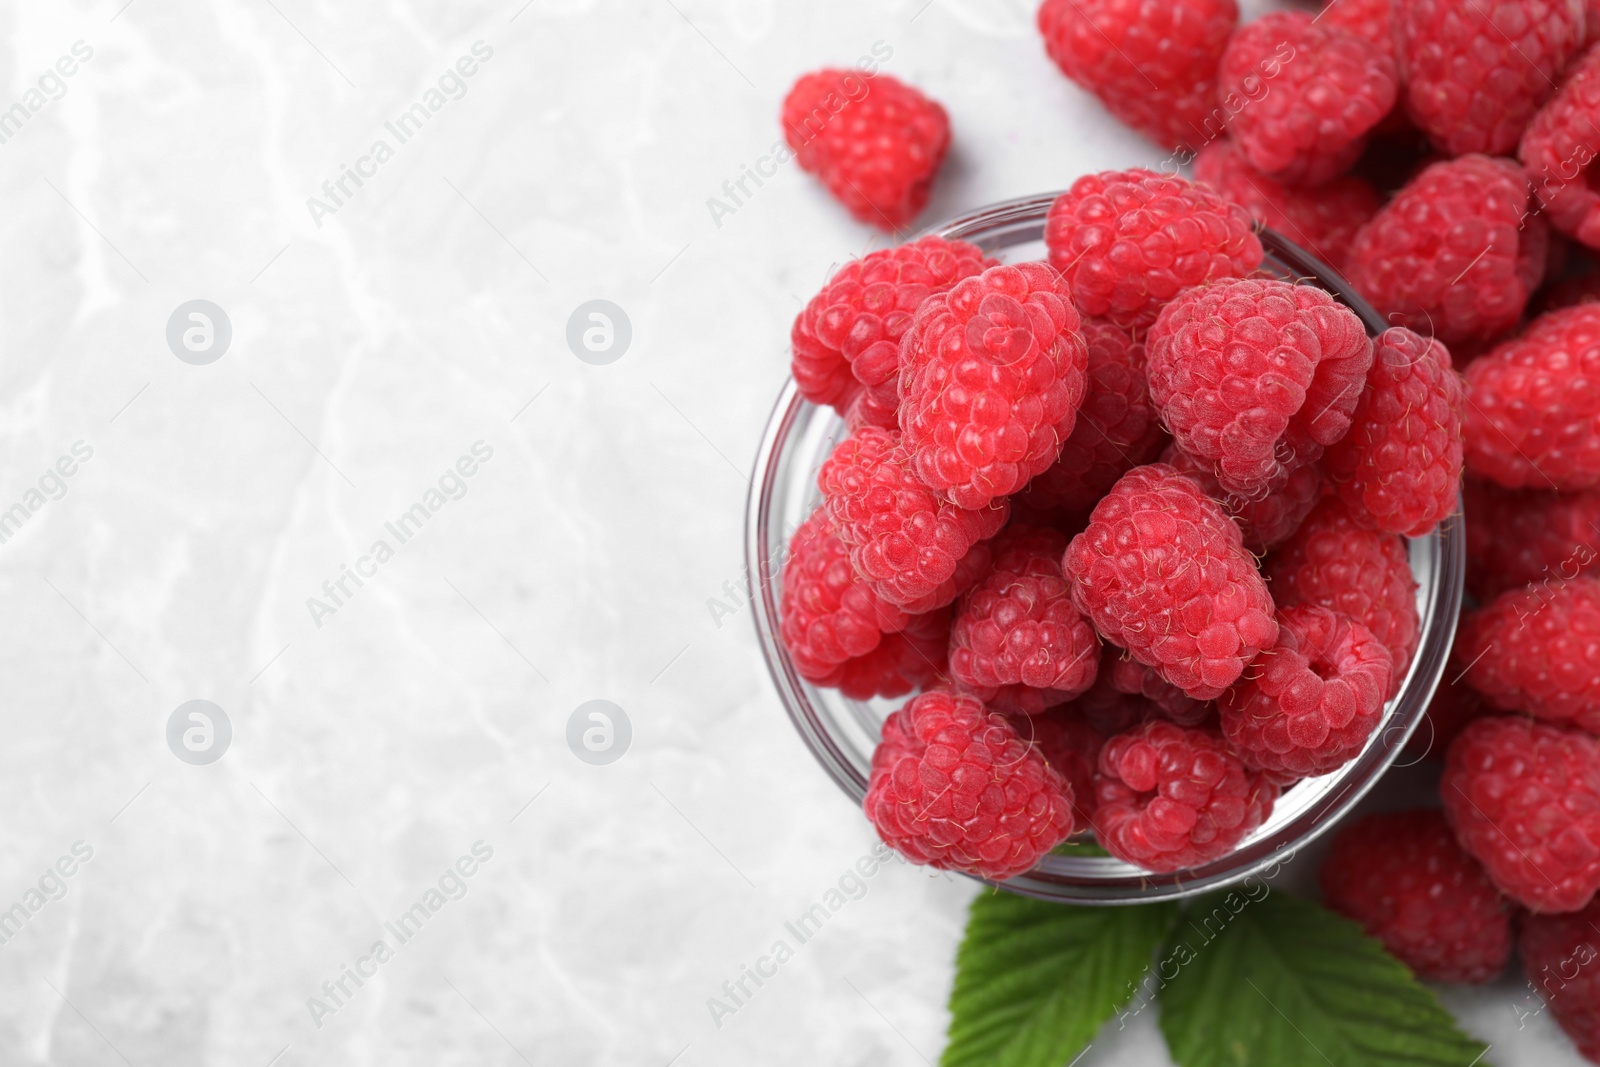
{"x": 842, "y": 733}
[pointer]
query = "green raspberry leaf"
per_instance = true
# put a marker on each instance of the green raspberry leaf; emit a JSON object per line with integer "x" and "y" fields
{"x": 1279, "y": 980}
{"x": 1035, "y": 981}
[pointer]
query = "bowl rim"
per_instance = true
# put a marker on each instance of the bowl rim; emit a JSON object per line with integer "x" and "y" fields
{"x": 1102, "y": 880}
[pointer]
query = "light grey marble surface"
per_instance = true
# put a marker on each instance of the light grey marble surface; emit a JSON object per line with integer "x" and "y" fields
{"x": 423, "y": 715}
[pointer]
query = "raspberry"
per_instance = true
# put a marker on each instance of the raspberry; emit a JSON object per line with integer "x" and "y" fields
{"x": 866, "y": 409}
{"x": 849, "y": 334}
{"x": 1116, "y": 428}
{"x": 1557, "y": 149}
{"x": 1162, "y": 572}
{"x": 1070, "y": 744}
{"x": 1402, "y": 876}
{"x": 1327, "y": 89}
{"x": 904, "y": 540}
{"x": 829, "y": 614}
{"x": 1448, "y": 256}
{"x": 1524, "y": 799}
{"x": 1559, "y": 955}
{"x": 1475, "y": 73}
{"x": 1130, "y": 677}
{"x": 1323, "y": 221}
{"x": 1335, "y": 563}
{"x": 1371, "y": 19}
{"x": 875, "y": 142}
{"x": 1399, "y": 467}
{"x": 902, "y": 662}
{"x": 1153, "y": 63}
{"x": 1256, "y": 377}
{"x": 1308, "y": 705}
{"x": 1533, "y": 405}
{"x": 969, "y": 569}
{"x": 1537, "y": 650}
{"x": 1168, "y": 798}
{"x": 1266, "y": 520}
{"x": 1129, "y": 241}
{"x": 954, "y": 787}
{"x": 1517, "y": 537}
{"x": 991, "y": 377}
{"x": 1017, "y": 627}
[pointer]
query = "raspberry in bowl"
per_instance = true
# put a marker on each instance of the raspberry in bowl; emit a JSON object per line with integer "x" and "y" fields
{"x": 1093, "y": 753}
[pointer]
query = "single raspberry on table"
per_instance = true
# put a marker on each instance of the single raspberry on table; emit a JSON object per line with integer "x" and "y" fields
{"x": 849, "y": 334}
{"x": 829, "y": 613}
{"x": 991, "y": 377}
{"x": 955, "y": 787}
{"x": 1561, "y": 956}
{"x": 1017, "y": 629}
{"x": 1455, "y": 255}
{"x": 1130, "y": 677}
{"x": 1537, "y": 650}
{"x": 1323, "y": 220}
{"x": 1153, "y": 63}
{"x": 1403, "y": 877}
{"x": 1255, "y": 377}
{"x": 902, "y": 662}
{"x": 905, "y": 540}
{"x": 1267, "y": 519}
{"x": 1475, "y": 73}
{"x": 1168, "y": 798}
{"x": 1533, "y": 405}
{"x": 1399, "y": 467}
{"x": 1524, "y": 799}
{"x": 1336, "y": 563}
{"x": 1372, "y": 19}
{"x": 1557, "y": 149}
{"x": 1117, "y": 428}
{"x": 1129, "y": 241}
{"x": 1308, "y": 705}
{"x": 1326, "y": 88}
{"x": 1162, "y": 572}
{"x": 1071, "y": 744}
{"x": 875, "y": 142}
{"x": 1516, "y": 537}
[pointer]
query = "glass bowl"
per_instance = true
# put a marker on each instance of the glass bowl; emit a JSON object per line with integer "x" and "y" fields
{"x": 841, "y": 733}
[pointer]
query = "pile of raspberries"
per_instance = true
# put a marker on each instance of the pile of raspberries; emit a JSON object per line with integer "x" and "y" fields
{"x": 1128, "y": 525}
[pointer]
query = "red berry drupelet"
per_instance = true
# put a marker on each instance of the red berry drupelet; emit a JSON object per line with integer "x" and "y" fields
{"x": 1323, "y": 220}
{"x": 1399, "y": 467}
{"x": 1557, "y": 149}
{"x": 1334, "y": 562}
{"x": 1403, "y": 877}
{"x": 1256, "y": 377}
{"x": 1524, "y": 800}
{"x": 1561, "y": 956}
{"x": 1518, "y": 537}
{"x": 1017, "y": 641}
{"x": 1129, "y": 241}
{"x": 1168, "y": 798}
{"x": 1372, "y": 19}
{"x": 1071, "y": 744}
{"x": 1533, "y": 417}
{"x": 849, "y": 334}
{"x": 829, "y": 614}
{"x": 1153, "y": 63}
{"x": 1475, "y": 73}
{"x": 1162, "y": 572}
{"x": 875, "y": 142}
{"x": 1116, "y": 430}
{"x": 953, "y": 786}
{"x": 1327, "y": 89}
{"x": 991, "y": 377}
{"x": 905, "y": 541}
{"x": 903, "y": 662}
{"x": 1537, "y": 650}
{"x": 1456, "y": 254}
{"x": 1268, "y": 519}
{"x": 1130, "y": 677}
{"x": 1308, "y": 705}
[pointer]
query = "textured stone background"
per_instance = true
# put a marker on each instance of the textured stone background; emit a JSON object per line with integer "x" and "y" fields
{"x": 368, "y": 353}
